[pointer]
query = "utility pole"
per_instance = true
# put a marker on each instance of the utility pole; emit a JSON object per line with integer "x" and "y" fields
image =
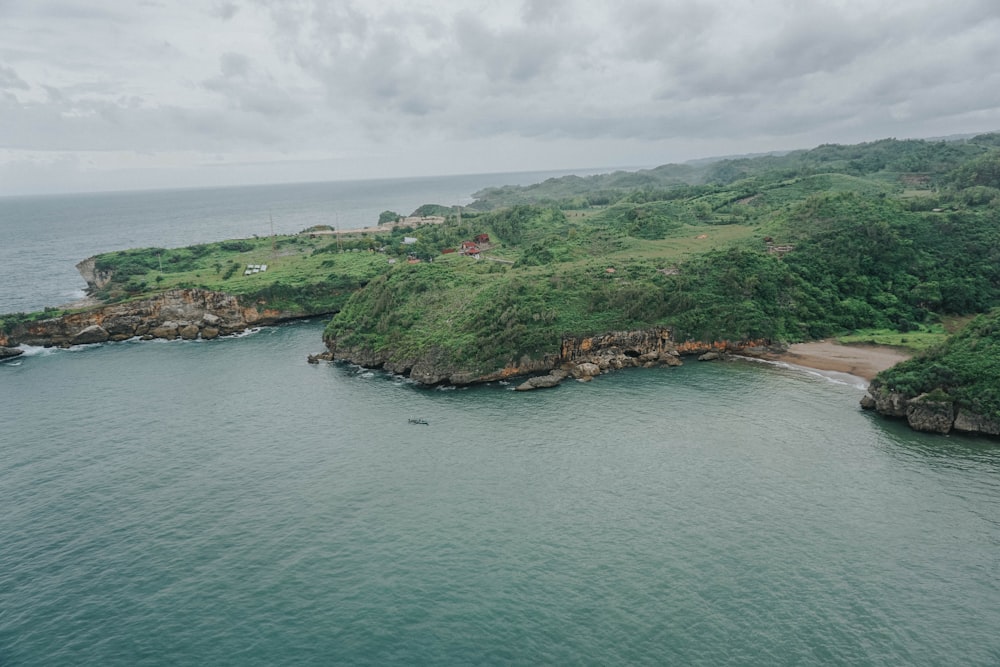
{"x": 274, "y": 247}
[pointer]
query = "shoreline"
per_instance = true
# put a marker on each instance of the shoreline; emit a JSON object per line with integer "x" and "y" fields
{"x": 864, "y": 361}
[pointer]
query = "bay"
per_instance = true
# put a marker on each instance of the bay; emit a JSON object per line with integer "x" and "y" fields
{"x": 225, "y": 502}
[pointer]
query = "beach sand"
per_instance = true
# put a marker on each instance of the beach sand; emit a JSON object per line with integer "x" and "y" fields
{"x": 864, "y": 361}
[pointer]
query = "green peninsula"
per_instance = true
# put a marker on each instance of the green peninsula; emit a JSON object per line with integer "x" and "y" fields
{"x": 889, "y": 238}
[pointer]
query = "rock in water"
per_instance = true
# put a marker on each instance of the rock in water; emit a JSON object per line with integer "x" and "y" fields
{"x": 10, "y": 352}
{"x": 92, "y": 334}
{"x": 586, "y": 369}
{"x": 541, "y": 382}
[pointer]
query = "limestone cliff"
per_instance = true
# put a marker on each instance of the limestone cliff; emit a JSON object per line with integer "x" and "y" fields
{"x": 931, "y": 413}
{"x": 95, "y": 279}
{"x": 182, "y": 313}
{"x": 608, "y": 351}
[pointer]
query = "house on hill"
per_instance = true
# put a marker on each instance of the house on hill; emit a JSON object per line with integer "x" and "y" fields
{"x": 469, "y": 248}
{"x": 483, "y": 238}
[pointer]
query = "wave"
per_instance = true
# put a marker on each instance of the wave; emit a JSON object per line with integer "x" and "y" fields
{"x": 833, "y": 377}
{"x": 37, "y": 350}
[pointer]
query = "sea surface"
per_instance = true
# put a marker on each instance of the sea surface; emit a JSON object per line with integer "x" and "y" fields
{"x": 226, "y": 503}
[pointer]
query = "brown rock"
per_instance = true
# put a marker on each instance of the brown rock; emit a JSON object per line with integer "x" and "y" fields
{"x": 10, "y": 352}
{"x": 932, "y": 416}
{"x": 586, "y": 369}
{"x": 540, "y": 382}
{"x": 890, "y": 404}
{"x": 970, "y": 422}
{"x": 188, "y": 331}
{"x": 92, "y": 334}
{"x": 166, "y": 330}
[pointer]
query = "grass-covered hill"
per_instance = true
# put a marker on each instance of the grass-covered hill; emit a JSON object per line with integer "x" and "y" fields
{"x": 963, "y": 370}
{"x": 885, "y": 239}
{"x": 891, "y": 236}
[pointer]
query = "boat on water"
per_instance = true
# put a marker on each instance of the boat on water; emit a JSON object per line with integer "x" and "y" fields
{"x": 419, "y": 421}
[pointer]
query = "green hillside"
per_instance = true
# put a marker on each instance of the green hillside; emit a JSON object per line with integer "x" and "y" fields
{"x": 890, "y": 236}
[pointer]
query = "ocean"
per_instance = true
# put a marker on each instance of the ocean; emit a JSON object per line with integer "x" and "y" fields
{"x": 225, "y": 502}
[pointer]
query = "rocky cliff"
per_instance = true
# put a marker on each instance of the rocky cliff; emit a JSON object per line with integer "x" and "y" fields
{"x": 183, "y": 313}
{"x": 580, "y": 357}
{"x": 932, "y": 412}
{"x": 95, "y": 279}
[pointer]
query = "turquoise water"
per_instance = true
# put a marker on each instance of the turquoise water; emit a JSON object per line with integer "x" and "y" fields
{"x": 225, "y": 502}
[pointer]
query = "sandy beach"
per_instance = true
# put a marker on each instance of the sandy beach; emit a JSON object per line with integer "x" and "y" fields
{"x": 864, "y": 361}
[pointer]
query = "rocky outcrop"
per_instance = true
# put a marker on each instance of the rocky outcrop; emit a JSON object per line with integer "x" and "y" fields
{"x": 95, "y": 279}
{"x": 969, "y": 422}
{"x": 95, "y": 333}
{"x": 316, "y": 358}
{"x": 632, "y": 344}
{"x": 183, "y": 313}
{"x": 580, "y": 357}
{"x": 924, "y": 413}
{"x": 543, "y": 381}
{"x": 9, "y": 353}
{"x": 930, "y": 413}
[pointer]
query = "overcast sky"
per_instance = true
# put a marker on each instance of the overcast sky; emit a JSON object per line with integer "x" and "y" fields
{"x": 121, "y": 94}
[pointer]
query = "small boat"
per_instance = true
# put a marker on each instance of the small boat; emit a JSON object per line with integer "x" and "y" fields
{"x": 419, "y": 421}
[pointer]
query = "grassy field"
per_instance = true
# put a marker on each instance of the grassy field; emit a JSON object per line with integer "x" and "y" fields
{"x": 304, "y": 272}
{"x": 915, "y": 341}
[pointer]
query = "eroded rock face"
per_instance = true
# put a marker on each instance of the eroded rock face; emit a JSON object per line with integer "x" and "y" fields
{"x": 891, "y": 404}
{"x": 969, "y": 422}
{"x": 924, "y": 413}
{"x": 9, "y": 352}
{"x": 932, "y": 416}
{"x": 95, "y": 279}
{"x": 95, "y": 333}
{"x": 188, "y": 313}
{"x": 633, "y": 344}
{"x": 539, "y": 382}
{"x": 188, "y": 331}
{"x": 166, "y": 330}
{"x": 586, "y": 369}
{"x": 580, "y": 355}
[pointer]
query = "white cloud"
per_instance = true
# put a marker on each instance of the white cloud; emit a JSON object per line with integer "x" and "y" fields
{"x": 359, "y": 88}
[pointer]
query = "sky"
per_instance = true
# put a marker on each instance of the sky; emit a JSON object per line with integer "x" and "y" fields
{"x": 127, "y": 94}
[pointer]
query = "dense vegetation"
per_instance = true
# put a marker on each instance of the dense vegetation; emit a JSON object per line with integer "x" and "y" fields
{"x": 964, "y": 369}
{"x": 891, "y": 235}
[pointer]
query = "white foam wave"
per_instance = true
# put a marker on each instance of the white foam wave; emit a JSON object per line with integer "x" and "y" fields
{"x": 834, "y": 377}
{"x": 37, "y": 350}
{"x": 246, "y": 332}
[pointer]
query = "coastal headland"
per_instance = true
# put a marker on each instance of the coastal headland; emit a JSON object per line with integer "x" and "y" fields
{"x": 577, "y": 276}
